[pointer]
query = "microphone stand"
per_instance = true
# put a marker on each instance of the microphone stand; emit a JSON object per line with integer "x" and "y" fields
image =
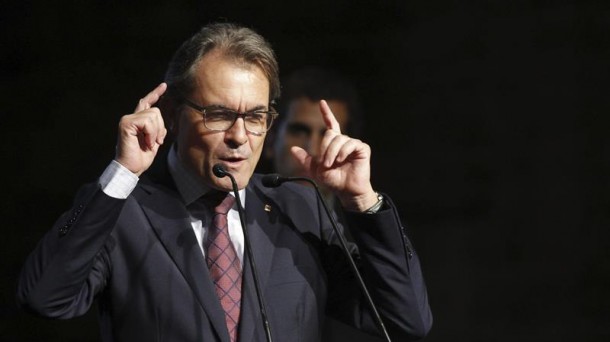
{"x": 220, "y": 172}
{"x": 275, "y": 180}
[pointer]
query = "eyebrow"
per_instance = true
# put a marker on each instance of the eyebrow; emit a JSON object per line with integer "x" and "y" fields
{"x": 256, "y": 108}
{"x": 299, "y": 126}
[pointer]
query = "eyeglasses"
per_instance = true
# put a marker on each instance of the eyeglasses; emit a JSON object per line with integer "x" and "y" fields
{"x": 220, "y": 119}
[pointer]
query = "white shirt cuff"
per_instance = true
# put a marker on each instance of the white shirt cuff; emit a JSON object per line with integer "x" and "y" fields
{"x": 117, "y": 181}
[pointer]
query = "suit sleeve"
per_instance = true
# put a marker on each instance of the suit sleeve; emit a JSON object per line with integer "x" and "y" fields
{"x": 390, "y": 268}
{"x": 69, "y": 266}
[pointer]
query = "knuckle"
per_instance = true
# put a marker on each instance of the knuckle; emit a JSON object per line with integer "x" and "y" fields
{"x": 125, "y": 119}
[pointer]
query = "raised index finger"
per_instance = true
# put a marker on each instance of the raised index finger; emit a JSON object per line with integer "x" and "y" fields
{"x": 151, "y": 98}
{"x": 329, "y": 118}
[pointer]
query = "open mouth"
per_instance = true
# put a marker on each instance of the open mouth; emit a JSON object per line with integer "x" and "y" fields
{"x": 232, "y": 163}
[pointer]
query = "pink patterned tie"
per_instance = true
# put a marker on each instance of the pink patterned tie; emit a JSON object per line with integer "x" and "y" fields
{"x": 224, "y": 265}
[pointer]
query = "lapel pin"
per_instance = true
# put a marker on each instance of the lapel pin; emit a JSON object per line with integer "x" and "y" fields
{"x": 267, "y": 208}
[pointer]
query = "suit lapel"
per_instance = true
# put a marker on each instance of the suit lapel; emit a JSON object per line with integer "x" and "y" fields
{"x": 262, "y": 234}
{"x": 170, "y": 220}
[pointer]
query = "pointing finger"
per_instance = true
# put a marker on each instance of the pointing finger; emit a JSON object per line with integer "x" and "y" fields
{"x": 329, "y": 118}
{"x": 162, "y": 131}
{"x": 151, "y": 98}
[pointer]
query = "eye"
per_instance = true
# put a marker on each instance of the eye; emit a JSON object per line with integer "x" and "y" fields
{"x": 298, "y": 129}
{"x": 256, "y": 117}
{"x": 219, "y": 115}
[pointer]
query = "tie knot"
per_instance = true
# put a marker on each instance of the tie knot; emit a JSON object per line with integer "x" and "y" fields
{"x": 225, "y": 204}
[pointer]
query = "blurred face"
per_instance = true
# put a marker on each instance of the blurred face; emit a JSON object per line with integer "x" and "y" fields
{"x": 304, "y": 127}
{"x": 235, "y": 86}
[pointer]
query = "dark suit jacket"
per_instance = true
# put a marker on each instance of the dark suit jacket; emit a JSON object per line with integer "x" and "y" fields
{"x": 140, "y": 259}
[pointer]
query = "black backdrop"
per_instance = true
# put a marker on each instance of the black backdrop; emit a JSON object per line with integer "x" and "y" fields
{"x": 487, "y": 120}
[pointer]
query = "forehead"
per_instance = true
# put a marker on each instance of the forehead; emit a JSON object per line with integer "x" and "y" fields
{"x": 226, "y": 81}
{"x": 306, "y": 111}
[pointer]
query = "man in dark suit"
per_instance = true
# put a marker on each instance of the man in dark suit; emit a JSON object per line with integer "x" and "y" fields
{"x": 143, "y": 245}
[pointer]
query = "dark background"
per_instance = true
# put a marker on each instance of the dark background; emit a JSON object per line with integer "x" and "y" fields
{"x": 488, "y": 123}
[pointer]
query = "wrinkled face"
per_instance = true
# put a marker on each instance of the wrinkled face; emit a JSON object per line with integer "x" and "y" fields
{"x": 230, "y": 84}
{"x": 304, "y": 127}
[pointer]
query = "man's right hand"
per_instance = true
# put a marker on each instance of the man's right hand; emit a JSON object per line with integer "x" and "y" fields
{"x": 141, "y": 133}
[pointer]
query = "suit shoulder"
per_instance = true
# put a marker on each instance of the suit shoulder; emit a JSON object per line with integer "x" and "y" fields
{"x": 287, "y": 190}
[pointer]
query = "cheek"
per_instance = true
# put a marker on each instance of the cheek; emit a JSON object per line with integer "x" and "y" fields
{"x": 197, "y": 148}
{"x": 256, "y": 144}
{"x": 188, "y": 131}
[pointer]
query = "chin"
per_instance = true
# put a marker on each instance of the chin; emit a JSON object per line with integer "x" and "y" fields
{"x": 223, "y": 184}
{"x": 242, "y": 181}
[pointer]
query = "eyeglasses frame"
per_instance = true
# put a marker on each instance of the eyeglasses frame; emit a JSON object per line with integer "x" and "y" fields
{"x": 202, "y": 109}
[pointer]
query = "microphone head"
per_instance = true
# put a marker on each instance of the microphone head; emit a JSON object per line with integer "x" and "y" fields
{"x": 219, "y": 170}
{"x": 272, "y": 180}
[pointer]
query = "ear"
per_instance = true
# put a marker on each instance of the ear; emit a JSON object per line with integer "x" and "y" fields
{"x": 268, "y": 150}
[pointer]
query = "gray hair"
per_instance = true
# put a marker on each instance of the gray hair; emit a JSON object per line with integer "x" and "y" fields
{"x": 236, "y": 42}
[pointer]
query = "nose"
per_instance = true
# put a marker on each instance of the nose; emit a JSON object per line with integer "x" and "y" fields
{"x": 237, "y": 134}
{"x": 312, "y": 146}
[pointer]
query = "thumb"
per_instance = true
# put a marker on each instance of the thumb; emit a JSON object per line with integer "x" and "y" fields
{"x": 301, "y": 156}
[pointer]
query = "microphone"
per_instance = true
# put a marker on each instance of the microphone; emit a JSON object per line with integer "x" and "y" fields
{"x": 273, "y": 181}
{"x": 220, "y": 171}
